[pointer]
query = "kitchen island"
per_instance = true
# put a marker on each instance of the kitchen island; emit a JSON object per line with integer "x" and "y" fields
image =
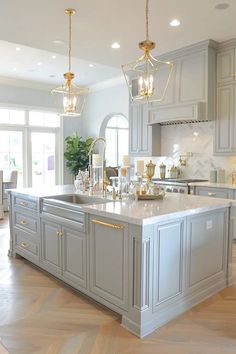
{"x": 147, "y": 260}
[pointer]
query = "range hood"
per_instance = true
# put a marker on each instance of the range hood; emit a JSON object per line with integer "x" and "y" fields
{"x": 178, "y": 114}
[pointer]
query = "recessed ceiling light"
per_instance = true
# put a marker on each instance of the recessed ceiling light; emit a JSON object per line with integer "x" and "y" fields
{"x": 115, "y": 45}
{"x": 39, "y": 63}
{"x": 58, "y": 42}
{"x": 54, "y": 56}
{"x": 14, "y": 69}
{"x": 222, "y": 6}
{"x": 18, "y": 49}
{"x": 175, "y": 22}
{"x": 91, "y": 65}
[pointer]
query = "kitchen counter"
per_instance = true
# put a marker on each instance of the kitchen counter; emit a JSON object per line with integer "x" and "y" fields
{"x": 147, "y": 260}
{"x": 148, "y": 212}
{"x": 133, "y": 211}
{"x": 213, "y": 185}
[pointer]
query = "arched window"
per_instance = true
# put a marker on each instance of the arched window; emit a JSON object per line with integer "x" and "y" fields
{"x": 117, "y": 138}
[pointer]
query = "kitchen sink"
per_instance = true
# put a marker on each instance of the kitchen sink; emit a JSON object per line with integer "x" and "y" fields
{"x": 69, "y": 206}
{"x": 78, "y": 199}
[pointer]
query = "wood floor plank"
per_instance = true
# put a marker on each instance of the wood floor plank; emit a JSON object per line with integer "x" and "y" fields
{"x": 38, "y": 315}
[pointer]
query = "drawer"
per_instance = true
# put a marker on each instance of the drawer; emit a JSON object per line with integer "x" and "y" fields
{"x": 214, "y": 192}
{"x": 26, "y": 203}
{"x": 25, "y": 246}
{"x": 25, "y": 222}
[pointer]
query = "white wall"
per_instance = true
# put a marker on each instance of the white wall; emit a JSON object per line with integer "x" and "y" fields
{"x": 23, "y": 96}
{"x": 100, "y": 104}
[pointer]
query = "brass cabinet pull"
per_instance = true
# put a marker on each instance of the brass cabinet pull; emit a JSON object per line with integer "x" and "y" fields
{"x": 24, "y": 244}
{"x": 24, "y": 204}
{"x": 211, "y": 194}
{"x": 59, "y": 233}
{"x": 106, "y": 224}
{"x": 24, "y": 222}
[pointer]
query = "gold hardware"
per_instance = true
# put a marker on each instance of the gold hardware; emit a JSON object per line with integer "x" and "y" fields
{"x": 103, "y": 223}
{"x": 24, "y": 204}
{"x": 211, "y": 194}
{"x": 24, "y": 244}
{"x": 24, "y": 222}
{"x": 59, "y": 233}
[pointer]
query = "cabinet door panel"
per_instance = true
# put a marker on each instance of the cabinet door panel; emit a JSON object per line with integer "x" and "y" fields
{"x": 206, "y": 237}
{"x": 168, "y": 261}
{"x": 134, "y": 129}
{"x": 145, "y": 131}
{"x": 51, "y": 246}
{"x": 193, "y": 69}
{"x": 225, "y": 66}
{"x": 225, "y": 117}
{"x": 74, "y": 256}
{"x": 109, "y": 261}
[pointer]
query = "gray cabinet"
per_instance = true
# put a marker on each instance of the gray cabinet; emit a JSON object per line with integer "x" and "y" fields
{"x": 108, "y": 248}
{"x": 64, "y": 251}
{"x": 169, "y": 244}
{"x": 206, "y": 236}
{"x": 144, "y": 140}
{"x": 51, "y": 246}
{"x": 225, "y": 139}
{"x": 226, "y": 66}
{"x": 25, "y": 227}
{"x": 225, "y": 132}
{"x": 214, "y": 192}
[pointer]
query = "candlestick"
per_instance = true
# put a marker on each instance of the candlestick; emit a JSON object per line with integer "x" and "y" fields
{"x": 140, "y": 167}
{"x": 126, "y": 160}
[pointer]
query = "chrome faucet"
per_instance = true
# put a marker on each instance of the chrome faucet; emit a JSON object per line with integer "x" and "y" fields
{"x": 91, "y": 176}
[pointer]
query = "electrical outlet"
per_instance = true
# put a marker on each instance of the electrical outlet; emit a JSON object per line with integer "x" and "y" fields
{"x": 209, "y": 224}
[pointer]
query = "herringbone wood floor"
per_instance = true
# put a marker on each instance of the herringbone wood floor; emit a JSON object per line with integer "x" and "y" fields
{"x": 38, "y": 315}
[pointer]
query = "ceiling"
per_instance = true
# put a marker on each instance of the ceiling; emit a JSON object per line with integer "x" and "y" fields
{"x": 34, "y": 25}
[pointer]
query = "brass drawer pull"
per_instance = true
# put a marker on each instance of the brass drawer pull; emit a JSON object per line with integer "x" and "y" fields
{"x": 211, "y": 194}
{"x": 103, "y": 223}
{"x": 24, "y": 222}
{"x": 24, "y": 244}
{"x": 25, "y": 204}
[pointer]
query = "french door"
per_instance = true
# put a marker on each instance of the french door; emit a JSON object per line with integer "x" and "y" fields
{"x": 43, "y": 159}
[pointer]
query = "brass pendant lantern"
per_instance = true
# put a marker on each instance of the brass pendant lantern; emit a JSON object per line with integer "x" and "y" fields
{"x": 147, "y": 78}
{"x": 70, "y": 97}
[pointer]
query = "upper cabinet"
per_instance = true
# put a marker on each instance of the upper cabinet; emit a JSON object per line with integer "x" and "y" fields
{"x": 144, "y": 140}
{"x": 226, "y": 66}
{"x": 225, "y": 132}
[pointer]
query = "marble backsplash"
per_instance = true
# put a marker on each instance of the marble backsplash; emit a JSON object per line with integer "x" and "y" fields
{"x": 197, "y": 139}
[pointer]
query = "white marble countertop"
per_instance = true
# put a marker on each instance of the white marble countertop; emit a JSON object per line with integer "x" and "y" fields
{"x": 138, "y": 212}
{"x": 213, "y": 185}
{"x": 149, "y": 212}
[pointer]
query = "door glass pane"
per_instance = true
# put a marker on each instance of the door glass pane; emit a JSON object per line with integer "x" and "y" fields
{"x": 122, "y": 144}
{"x": 11, "y": 154}
{"x": 43, "y": 159}
{"x": 111, "y": 148}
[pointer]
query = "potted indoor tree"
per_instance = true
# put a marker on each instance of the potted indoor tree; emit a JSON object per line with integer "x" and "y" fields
{"x": 76, "y": 153}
